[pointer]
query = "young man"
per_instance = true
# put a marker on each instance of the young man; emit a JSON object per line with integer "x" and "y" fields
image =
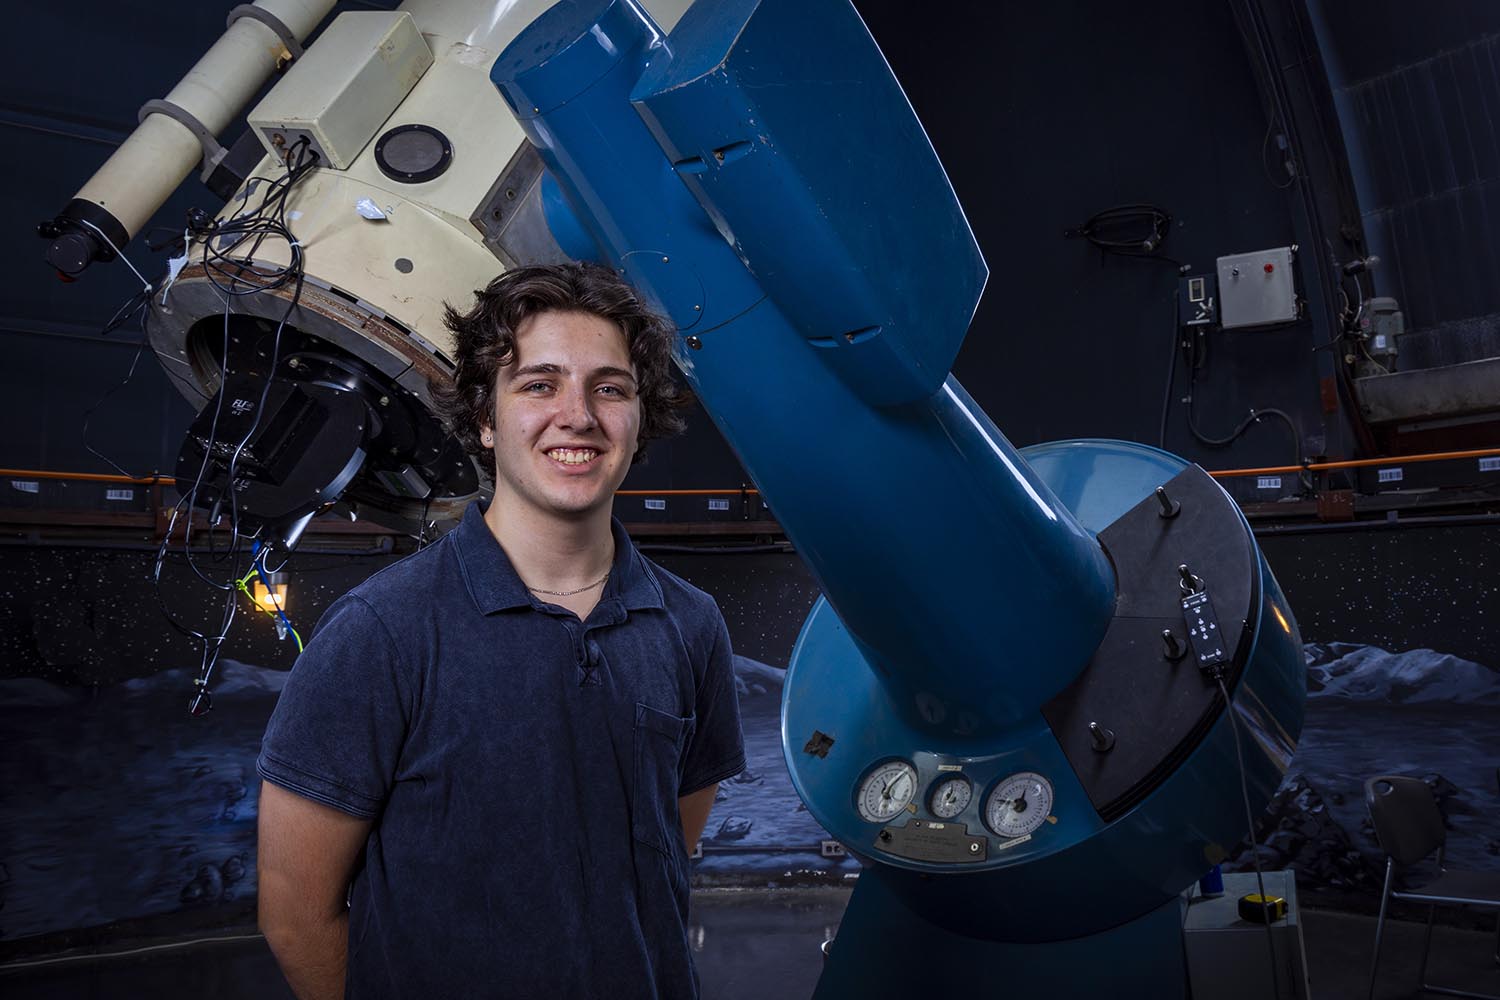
{"x": 498, "y": 749}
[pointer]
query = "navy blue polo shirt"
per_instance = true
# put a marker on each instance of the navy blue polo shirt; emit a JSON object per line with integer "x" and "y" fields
{"x": 521, "y": 768}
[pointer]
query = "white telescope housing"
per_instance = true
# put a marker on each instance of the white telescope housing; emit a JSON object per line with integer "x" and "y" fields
{"x": 423, "y": 190}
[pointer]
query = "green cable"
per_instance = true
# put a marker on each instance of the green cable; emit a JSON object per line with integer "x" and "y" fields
{"x": 243, "y": 585}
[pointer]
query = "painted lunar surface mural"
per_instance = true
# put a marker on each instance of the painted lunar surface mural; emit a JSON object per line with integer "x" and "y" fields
{"x": 120, "y": 807}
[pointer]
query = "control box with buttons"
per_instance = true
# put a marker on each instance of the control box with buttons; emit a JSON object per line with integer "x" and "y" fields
{"x": 1257, "y": 289}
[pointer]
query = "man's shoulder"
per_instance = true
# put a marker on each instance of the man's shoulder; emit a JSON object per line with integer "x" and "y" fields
{"x": 676, "y": 593}
{"x": 412, "y": 582}
{"x": 684, "y": 602}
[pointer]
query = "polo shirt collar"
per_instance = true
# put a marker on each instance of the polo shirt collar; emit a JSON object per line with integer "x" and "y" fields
{"x": 495, "y": 586}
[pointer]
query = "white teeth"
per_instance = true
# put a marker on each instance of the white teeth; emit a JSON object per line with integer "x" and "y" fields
{"x": 573, "y": 456}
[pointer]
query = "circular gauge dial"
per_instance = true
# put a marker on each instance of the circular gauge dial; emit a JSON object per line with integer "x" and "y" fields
{"x": 1019, "y": 804}
{"x": 951, "y": 796}
{"x": 887, "y": 790}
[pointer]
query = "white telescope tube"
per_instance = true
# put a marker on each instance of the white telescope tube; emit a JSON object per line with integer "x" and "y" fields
{"x": 140, "y": 176}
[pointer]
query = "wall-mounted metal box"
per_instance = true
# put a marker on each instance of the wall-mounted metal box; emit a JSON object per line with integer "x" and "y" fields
{"x": 344, "y": 87}
{"x": 1257, "y": 288}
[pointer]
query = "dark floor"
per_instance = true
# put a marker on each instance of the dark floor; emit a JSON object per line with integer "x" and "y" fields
{"x": 751, "y": 945}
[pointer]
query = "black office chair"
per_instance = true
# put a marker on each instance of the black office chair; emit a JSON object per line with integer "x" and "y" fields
{"x": 1410, "y": 827}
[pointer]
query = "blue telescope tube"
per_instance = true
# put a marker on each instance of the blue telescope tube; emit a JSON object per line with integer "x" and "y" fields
{"x": 822, "y": 292}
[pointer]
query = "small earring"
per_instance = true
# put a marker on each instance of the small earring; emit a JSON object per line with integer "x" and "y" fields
{"x": 489, "y": 442}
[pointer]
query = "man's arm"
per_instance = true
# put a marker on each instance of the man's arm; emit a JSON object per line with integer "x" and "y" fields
{"x": 694, "y": 809}
{"x": 306, "y": 855}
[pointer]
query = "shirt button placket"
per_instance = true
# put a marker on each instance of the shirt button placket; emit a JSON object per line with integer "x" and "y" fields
{"x": 577, "y": 637}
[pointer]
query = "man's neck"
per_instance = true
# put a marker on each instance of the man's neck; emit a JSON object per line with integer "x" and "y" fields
{"x": 549, "y": 552}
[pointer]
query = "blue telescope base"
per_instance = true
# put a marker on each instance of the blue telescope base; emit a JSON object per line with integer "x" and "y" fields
{"x": 885, "y": 949}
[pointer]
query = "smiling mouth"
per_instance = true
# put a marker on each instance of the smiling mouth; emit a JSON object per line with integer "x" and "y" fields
{"x": 573, "y": 456}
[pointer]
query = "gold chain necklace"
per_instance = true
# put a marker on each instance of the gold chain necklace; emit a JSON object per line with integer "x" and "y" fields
{"x": 569, "y": 593}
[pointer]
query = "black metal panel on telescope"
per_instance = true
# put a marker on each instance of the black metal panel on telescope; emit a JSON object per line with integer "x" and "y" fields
{"x": 1149, "y": 710}
{"x": 283, "y": 450}
{"x": 404, "y": 451}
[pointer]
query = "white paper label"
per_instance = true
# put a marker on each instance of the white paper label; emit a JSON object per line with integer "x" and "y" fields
{"x": 1268, "y": 483}
{"x": 25, "y": 485}
{"x": 1491, "y": 464}
{"x": 1391, "y": 475}
{"x": 718, "y": 505}
{"x": 656, "y": 505}
{"x": 119, "y": 494}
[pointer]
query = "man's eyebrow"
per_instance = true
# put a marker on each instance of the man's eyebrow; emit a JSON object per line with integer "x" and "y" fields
{"x": 537, "y": 369}
{"x": 609, "y": 371}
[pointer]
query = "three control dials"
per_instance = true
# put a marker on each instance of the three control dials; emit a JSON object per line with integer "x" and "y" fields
{"x": 1015, "y": 807}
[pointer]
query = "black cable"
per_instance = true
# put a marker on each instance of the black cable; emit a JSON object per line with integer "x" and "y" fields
{"x": 268, "y": 220}
{"x": 161, "y": 554}
{"x": 191, "y": 497}
{"x": 1348, "y": 326}
{"x": 260, "y": 227}
{"x": 1166, "y": 396}
{"x": 135, "y": 306}
{"x": 1291, "y": 177}
{"x": 295, "y": 268}
{"x": 1254, "y": 418}
{"x": 265, "y": 393}
{"x": 1198, "y": 359}
{"x": 1260, "y": 880}
{"x": 1109, "y": 230}
{"x": 220, "y": 239}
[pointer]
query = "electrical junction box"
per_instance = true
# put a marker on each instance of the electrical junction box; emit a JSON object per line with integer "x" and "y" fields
{"x": 344, "y": 87}
{"x": 1257, "y": 289}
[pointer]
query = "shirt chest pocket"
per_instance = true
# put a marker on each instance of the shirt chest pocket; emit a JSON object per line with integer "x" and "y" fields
{"x": 660, "y": 741}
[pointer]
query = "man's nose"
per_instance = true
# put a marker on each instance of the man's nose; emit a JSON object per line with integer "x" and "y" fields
{"x": 577, "y": 409}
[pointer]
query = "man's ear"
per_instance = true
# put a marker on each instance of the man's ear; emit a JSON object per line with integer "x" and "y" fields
{"x": 487, "y": 435}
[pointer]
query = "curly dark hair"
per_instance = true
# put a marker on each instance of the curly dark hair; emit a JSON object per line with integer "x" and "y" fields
{"x": 485, "y": 341}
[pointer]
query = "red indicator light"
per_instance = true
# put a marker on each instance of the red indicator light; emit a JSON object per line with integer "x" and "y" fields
{"x": 1270, "y": 268}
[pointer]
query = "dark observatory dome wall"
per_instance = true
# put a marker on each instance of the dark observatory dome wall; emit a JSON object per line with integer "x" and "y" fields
{"x": 1259, "y": 235}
